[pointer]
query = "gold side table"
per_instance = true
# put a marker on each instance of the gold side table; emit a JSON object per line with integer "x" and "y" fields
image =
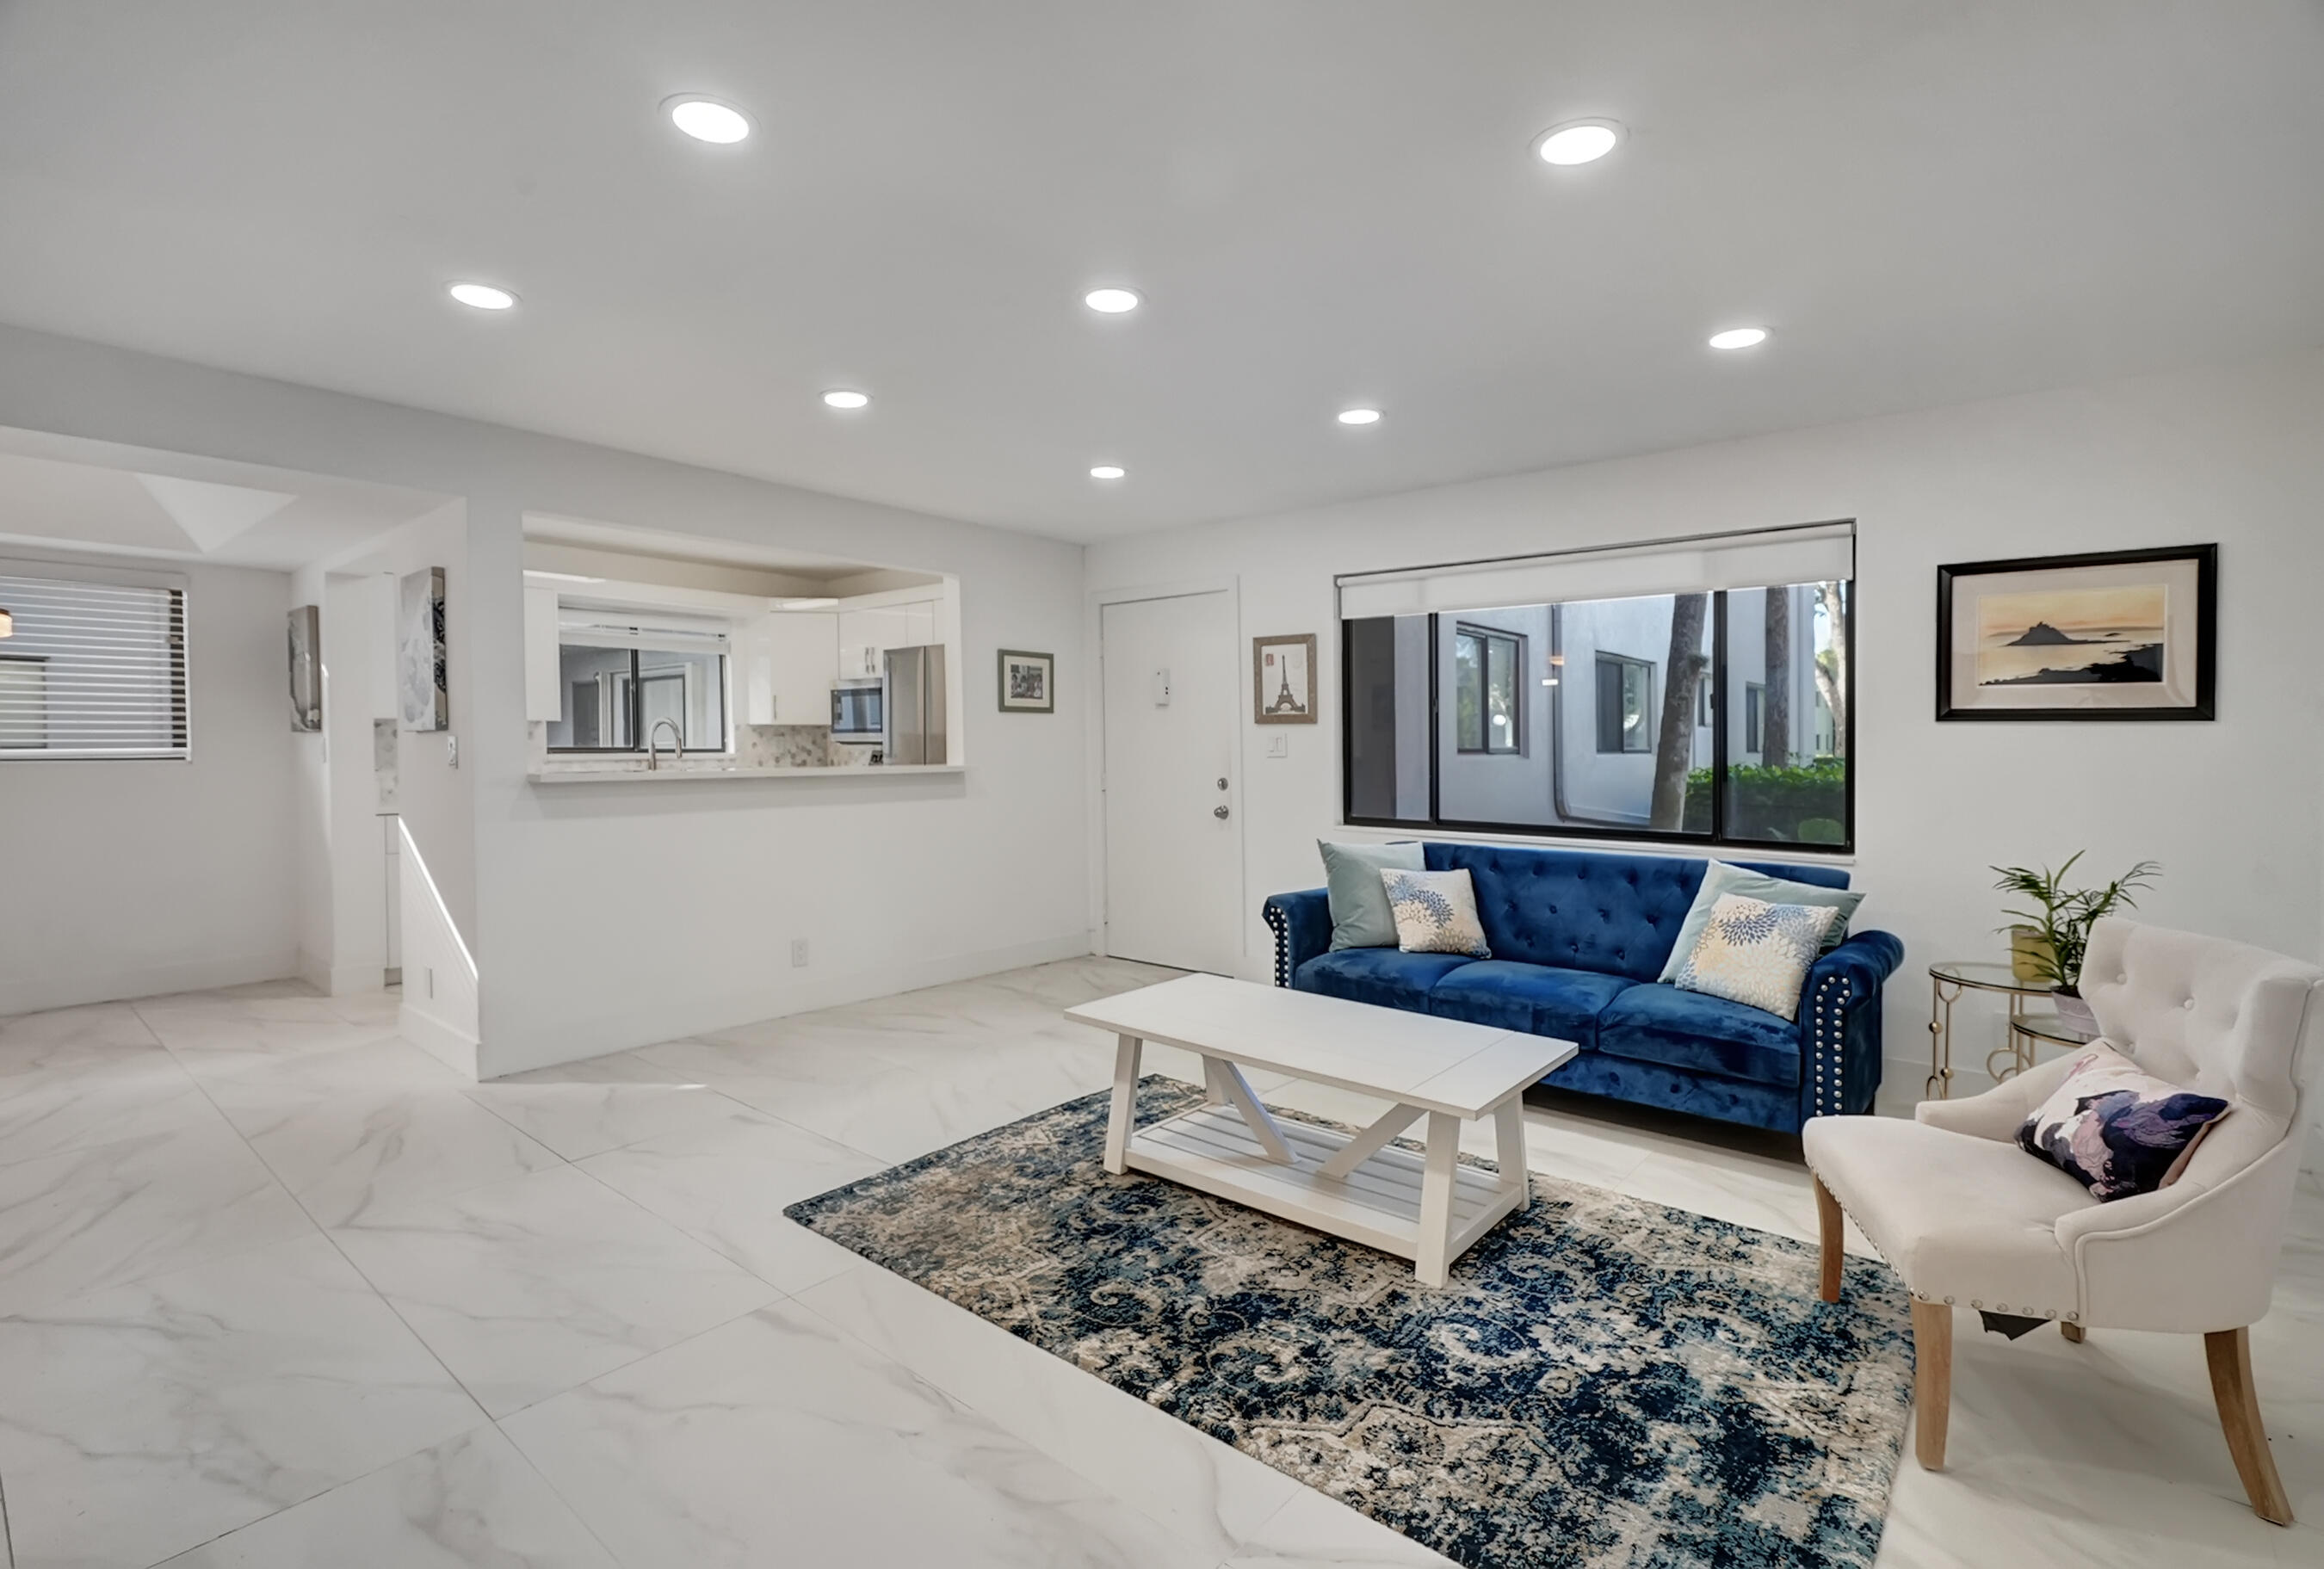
{"x": 1947, "y": 982}
{"x": 2027, "y": 1031}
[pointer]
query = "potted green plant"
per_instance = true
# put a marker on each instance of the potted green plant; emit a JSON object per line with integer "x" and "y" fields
{"x": 2052, "y": 941}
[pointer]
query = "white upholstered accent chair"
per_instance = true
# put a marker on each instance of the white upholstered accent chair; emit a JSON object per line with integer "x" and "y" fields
{"x": 1971, "y": 1220}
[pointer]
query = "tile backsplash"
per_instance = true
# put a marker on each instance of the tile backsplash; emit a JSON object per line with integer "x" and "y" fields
{"x": 787, "y": 746}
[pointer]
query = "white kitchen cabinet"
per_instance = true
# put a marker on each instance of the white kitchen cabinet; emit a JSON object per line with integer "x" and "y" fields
{"x": 789, "y": 660}
{"x": 544, "y": 686}
{"x": 805, "y": 662}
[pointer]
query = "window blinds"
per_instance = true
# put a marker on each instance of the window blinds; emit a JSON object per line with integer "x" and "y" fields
{"x": 96, "y": 665}
{"x": 1814, "y": 553}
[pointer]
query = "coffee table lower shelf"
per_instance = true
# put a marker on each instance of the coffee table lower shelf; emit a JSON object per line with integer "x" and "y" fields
{"x": 1380, "y": 1202}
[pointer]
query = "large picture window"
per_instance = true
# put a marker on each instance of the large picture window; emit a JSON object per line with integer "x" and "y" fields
{"x": 1716, "y": 712}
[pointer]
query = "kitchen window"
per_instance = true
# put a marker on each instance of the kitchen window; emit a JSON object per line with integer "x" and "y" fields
{"x": 94, "y": 664}
{"x": 628, "y": 685}
{"x": 1489, "y": 665}
{"x": 1661, "y": 692}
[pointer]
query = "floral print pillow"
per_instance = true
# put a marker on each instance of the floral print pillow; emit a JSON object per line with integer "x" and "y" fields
{"x": 1756, "y": 953}
{"x": 2115, "y": 1129}
{"x": 1435, "y": 912}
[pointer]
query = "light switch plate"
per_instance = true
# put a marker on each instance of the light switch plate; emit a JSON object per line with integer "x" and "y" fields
{"x": 798, "y": 953}
{"x": 1278, "y": 745}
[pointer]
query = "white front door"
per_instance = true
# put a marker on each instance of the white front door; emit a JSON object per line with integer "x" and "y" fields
{"x": 1173, "y": 843}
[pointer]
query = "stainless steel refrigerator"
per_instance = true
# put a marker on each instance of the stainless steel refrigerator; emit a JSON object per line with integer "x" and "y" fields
{"x": 915, "y": 706}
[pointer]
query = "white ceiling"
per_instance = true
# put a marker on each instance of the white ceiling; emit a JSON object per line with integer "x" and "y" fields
{"x": 1325, "y": 201}
{"x": 57, "y": 493}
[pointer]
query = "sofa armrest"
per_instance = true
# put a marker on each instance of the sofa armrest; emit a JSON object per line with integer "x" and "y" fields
{"x": 1302, "y": 925}
{"x": 1840, "y": 1024}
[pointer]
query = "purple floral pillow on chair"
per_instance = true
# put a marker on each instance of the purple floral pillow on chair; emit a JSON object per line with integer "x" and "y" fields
{"x": 2115, "y": 1129}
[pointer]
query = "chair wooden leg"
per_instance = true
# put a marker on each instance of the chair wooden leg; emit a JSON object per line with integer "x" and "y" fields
{"x": 1932, "y": 1380}
{"x": 2228, "y": 1352}
{"x": 1832, "y": 1232}
{"x": 2073, "y": 1332}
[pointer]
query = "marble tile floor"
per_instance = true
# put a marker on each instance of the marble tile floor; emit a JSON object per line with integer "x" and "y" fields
{"x": 276, "y": 1289}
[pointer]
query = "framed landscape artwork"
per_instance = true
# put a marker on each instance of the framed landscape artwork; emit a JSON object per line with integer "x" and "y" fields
{"x": 420, "y": 674}
{"x": 1282, "y": 679}
{"x": 2118, "y": 634}
{"x": 1028, "y": 682}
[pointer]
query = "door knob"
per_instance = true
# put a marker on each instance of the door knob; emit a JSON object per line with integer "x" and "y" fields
{"x": 1222, "y": 783}
{"x": 1218, "y": 811}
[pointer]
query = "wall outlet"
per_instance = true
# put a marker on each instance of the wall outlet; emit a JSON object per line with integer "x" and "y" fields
{"x": 798, "y": 953}
{"x": 452, "y": 750}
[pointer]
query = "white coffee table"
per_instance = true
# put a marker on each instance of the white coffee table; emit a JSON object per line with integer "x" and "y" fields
{"x": 1429, "y": 1209}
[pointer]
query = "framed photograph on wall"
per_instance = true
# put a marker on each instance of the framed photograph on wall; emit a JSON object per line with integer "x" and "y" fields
{"x": 420, "y": 658}
{"x": 1028, "y": 682}
{"x": 1282, "y": 679}
{"x": 306, "y": 667}
{"x": 2116, "y": 634}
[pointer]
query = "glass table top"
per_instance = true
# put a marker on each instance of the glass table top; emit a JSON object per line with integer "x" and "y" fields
{"x": 1988, "y": 976}
{"x": 2051, "y": 1027}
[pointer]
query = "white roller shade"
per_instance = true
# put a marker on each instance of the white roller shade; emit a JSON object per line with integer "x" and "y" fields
{"x": 1822, "y": 553}
{"x": 622, "y": 629}
{"x": 94, "y": 666}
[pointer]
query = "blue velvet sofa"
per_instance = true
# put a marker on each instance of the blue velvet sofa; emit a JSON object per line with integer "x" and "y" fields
{"x": 1578, "y": 937}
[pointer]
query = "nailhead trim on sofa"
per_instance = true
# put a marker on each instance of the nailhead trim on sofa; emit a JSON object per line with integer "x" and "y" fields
{"x": 1282, "y": 931}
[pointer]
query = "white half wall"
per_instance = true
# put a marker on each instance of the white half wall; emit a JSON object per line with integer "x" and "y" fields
{"x": 125, "y": 878}
{"x": 2231, "y": 808}
{"x": 610, "y": 916}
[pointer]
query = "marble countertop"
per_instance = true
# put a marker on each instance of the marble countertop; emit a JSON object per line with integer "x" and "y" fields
{"x": 673, "y": 773}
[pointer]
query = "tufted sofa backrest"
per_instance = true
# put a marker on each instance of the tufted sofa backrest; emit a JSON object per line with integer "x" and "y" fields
{"x": 1590, "y": 910}
{"x": 2221, "y": 1018}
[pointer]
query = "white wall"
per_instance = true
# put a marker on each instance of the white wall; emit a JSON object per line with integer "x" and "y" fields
{"x": 2231, "y": 809}
{"x": 608, "y": 916}
{"x": 124, "y": 879}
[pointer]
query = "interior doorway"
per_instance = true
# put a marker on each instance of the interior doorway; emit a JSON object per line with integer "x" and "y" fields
{"x": 1173, "y": 834}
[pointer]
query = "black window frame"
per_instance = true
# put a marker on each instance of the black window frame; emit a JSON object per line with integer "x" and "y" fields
{"x": 1755, "y": 716}
{"x": 637, "y": 706}
{"x": 1715, "y": 679}
{"x": 1623, "y": 664}
{"x": 1487, "y": 636}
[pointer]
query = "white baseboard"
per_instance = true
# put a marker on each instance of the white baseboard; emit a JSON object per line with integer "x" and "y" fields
{"x": 70, "y": 989}
{"x": 447, "y": 1043}
{"x": 532, "y": 1045}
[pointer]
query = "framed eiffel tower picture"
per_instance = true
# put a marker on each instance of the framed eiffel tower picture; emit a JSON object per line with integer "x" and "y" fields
{"x": 1282, "y": 679}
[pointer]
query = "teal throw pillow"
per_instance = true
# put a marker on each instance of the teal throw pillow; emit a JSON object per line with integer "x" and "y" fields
{"x": 1720, "y": 879}
{"x": 1361, "y": 916}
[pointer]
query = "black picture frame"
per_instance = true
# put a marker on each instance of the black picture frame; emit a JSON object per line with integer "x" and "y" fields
{"x": 2205, "y": 558}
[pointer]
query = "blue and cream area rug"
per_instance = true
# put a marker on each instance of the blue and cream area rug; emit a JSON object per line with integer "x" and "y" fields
{"x": 1605, "y": 1382}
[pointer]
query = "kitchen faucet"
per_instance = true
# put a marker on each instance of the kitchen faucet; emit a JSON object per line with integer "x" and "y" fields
{"x": 654, "y": 738}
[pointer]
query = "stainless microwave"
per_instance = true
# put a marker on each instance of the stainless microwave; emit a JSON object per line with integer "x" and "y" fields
{"x": 858, "y": 711}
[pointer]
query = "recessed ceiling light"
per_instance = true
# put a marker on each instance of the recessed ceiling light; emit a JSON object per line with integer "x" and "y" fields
{"x": 1360, "y": 416}
{"x": 841, "y": 398}
{"x": 707, "y": 119}
{"x": 1578, "y": 142}
{"x": 482, "y": 296}
{"x": 818, "y": 604}
{"x": 1740, "y": 337}
{"x": 1112, "y": 301}
{"x": 1108, "y": 471}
